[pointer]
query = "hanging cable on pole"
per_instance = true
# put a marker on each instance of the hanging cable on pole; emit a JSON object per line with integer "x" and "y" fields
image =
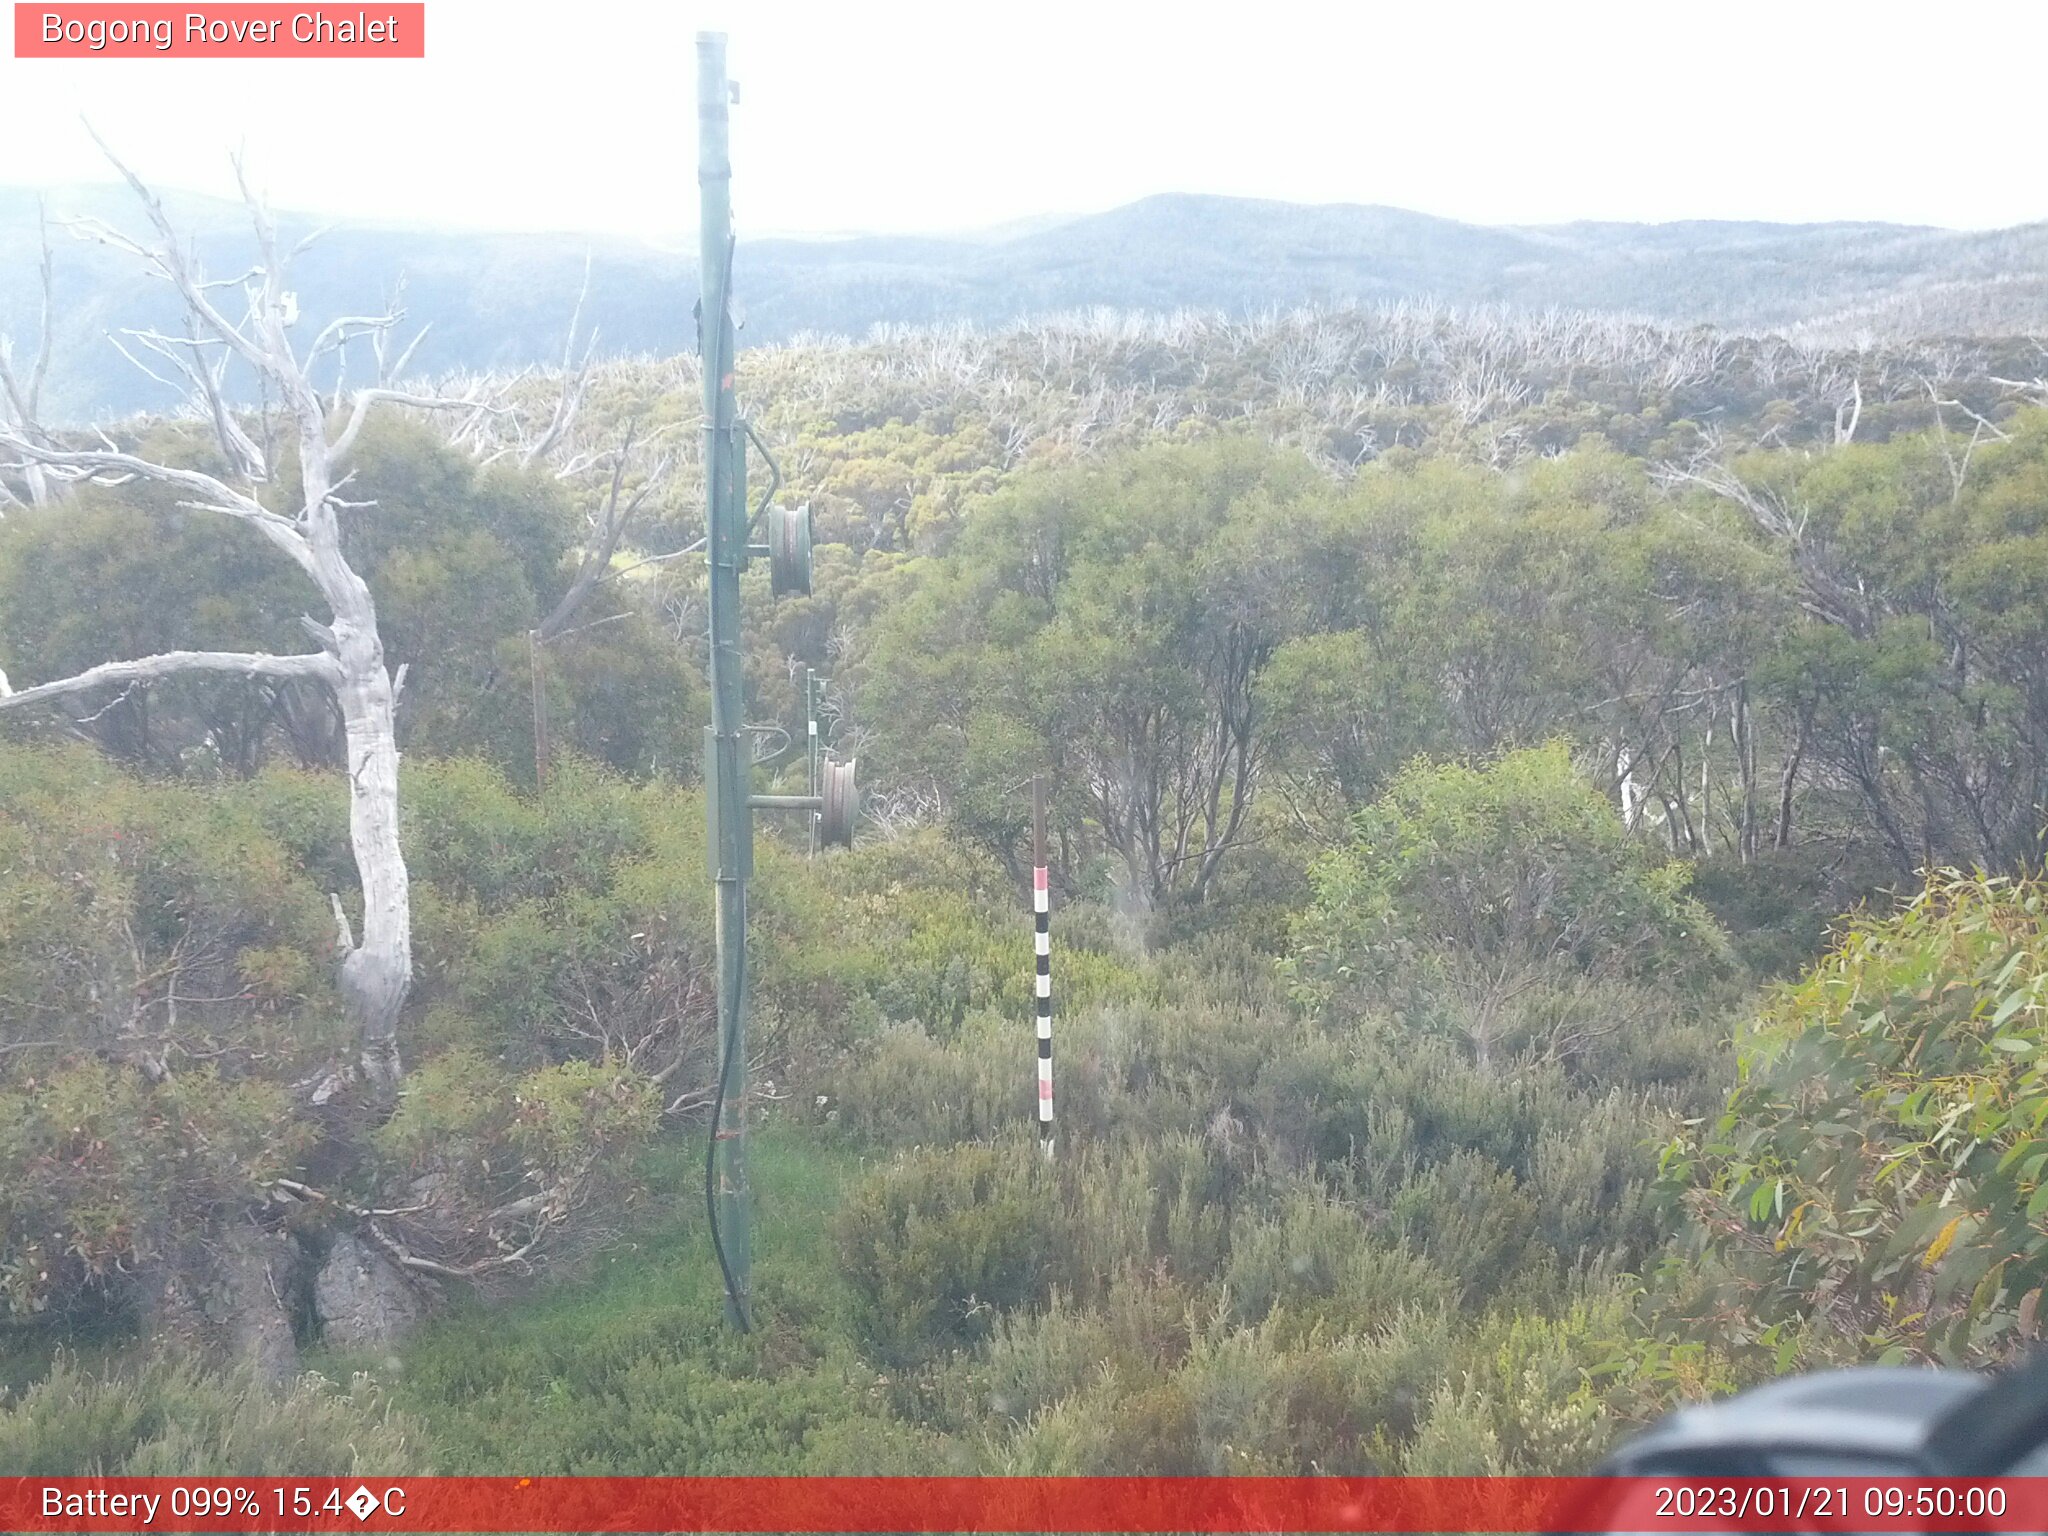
{"x": 1041, "y": 907}
{"x": 725, "y": 767}
{"x": 833, "y": 802}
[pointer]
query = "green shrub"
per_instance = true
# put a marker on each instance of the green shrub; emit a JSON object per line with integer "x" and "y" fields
{"x": 1876, "y": 1182}
{"x": 1034, "y": 1359}
{"x": 551, "y": 1155}
{"x": 1153, "y": 1431}
{"x": 1592, "y": 1184}
{"x": 1124, "y": 1071}
{"x": 1548, "y": 1384}
{"x": 939, "y": 1242}
{"x": 1072, "y": 1438}
{"x": 1163, "y": 1204}
{"x": 172, "y": 1419}
{"x": 1320, "y": 1262}
{"x": 1456, "y": 1438}
{"x": 906, "y": 1088}
{"x": 1473, "y": 1221}
{"x": 467, "y": 833}
{"x": 1464, "y": 887}
{"x": 1267, "y": 1403}
{"x": 106, "y": 1173}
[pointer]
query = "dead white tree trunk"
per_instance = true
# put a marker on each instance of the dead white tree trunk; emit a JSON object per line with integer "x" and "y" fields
{"x": 375, "y": 966}
{"x": 1631, "y": 792}
{"x": 21, "y": 401}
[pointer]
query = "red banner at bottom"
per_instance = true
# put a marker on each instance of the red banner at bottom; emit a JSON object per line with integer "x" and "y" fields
{"x": 1018, "y": 1504}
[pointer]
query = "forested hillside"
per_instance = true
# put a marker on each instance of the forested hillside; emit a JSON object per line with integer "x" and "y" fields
{"x": 498, "y": 301}
{"x": 1545, "y": 824}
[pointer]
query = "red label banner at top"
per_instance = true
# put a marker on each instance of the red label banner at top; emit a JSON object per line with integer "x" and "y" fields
{"x": 233, "y": 31}
{"x": 1020, "y": 1504}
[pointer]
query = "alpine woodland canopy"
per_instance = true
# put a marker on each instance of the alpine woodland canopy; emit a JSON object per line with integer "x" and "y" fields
{"x": 1544, "y": 823}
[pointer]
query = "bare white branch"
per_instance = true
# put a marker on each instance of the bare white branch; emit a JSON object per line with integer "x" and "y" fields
{"x": 575, "y": 378}
{"x": 365, "y": 398}
{"x": 108, "y": 466}
{"x": 376, "y": 969}
{"x": 148, "y": 669}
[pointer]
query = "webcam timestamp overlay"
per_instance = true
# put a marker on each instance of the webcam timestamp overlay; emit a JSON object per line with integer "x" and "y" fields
{"x": 1021, "y": 1504}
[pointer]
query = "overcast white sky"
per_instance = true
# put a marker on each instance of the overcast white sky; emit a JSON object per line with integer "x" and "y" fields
{"x": 879, "y": 115}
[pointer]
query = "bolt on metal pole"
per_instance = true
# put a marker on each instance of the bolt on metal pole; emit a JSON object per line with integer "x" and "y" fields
{"x": 725, "y": 764}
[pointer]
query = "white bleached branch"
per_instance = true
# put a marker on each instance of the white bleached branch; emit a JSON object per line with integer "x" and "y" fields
{"x": 575, "y": 379}
{"x": 376, "y": 964}
{"x": 150, "y": 669}
{"x": 22, "y": 403}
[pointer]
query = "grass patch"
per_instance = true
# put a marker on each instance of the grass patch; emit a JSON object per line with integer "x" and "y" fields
{"x": 632, "y": 1370}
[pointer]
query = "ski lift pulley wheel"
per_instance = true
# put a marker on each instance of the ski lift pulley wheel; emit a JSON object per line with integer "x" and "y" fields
{"x": 789, "y": 551}
{"x": 835, "y": 820}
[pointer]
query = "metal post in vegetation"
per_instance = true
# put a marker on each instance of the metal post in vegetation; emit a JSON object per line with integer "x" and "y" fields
{"x": 725, "y": 768}
{"x": 1041, "y": 907}
{"x": 729, "y": 805}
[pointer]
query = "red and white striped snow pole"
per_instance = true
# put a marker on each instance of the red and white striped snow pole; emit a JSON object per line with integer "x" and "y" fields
{"x": 1041, "y": 908}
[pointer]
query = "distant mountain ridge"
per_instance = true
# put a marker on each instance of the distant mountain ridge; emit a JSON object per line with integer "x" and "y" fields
{"x": 502, "y": 300}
